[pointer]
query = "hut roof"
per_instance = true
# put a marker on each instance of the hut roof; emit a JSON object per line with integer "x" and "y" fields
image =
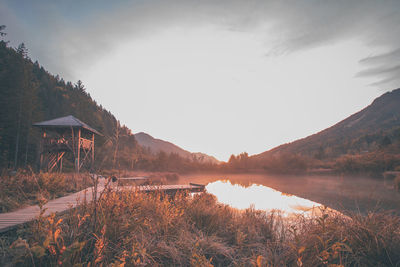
{"x": 67, "y": 121}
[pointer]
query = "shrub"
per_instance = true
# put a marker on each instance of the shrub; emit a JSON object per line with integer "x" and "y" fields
{"x": 53, "y": 183}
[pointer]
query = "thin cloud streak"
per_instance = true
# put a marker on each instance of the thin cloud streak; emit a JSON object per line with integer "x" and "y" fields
{"x": 65, "y": 42}
{"x": 384, "y": 67}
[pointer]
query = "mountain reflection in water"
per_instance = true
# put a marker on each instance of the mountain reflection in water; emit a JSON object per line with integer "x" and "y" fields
{"x": 260, "y": 197}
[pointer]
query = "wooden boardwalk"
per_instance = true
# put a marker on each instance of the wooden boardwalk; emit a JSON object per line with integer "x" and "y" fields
{"x": 12, "y": 219}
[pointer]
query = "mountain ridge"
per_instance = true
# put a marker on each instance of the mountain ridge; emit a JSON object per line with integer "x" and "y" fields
{"x": 378, "y": 118}
{"x": 157, "y": 145}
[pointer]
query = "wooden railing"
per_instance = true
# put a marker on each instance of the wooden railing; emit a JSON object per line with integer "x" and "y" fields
{"x": 86, "y": 143}
{"x": 64, "y": 143}
{"x": 56, "y": 143}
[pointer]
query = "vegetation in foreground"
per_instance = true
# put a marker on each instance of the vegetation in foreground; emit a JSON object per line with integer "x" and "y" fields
{"x": 25, "y": 188}
{"x": 132, "y": 229}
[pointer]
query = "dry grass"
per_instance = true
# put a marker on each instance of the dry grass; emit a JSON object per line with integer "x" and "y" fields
{"x": 135, "y": 229}
{"x": 27, "y": 188}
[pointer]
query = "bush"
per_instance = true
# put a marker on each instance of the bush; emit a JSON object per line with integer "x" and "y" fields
{"x": 53, "y": 183}
{"x": 372, "y": 163}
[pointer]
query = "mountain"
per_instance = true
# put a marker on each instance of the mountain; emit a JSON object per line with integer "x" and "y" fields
{"x": 375, "y": 127}
{"x": 156, "y": 145}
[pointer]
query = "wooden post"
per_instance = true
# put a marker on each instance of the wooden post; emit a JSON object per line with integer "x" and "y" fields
{"x": 79, "y": 151}
{"x": 41, "y": 150}
{"x": 92, "y": 152}
{"x": 61, "y": 164}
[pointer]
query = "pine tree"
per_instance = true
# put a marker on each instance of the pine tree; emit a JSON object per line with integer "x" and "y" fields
{"x": 2, "y": 33}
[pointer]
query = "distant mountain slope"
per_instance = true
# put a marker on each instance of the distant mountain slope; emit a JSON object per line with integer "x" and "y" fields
{"x": 157, "y": 145}
{"x": 375, "y": 126}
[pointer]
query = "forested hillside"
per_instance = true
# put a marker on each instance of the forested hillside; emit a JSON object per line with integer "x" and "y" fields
{"x": 30, "y": 94}
{"x": 375, "y": 127}
{"x": 367, "y": 141}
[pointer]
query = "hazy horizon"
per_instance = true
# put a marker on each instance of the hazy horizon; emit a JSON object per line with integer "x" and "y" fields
{"x": 218, "y": 77}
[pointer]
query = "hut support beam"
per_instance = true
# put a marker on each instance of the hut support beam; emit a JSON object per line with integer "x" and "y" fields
{"x": 78, "y": 154}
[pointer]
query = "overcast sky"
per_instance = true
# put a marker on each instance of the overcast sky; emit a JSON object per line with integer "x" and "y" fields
{"x": 217, "y": 76}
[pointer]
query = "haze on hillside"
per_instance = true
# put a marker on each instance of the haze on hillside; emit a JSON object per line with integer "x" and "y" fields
{"x": 220, "y": 77}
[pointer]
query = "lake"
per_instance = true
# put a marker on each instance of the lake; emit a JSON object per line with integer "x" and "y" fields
{"x": 300, "y": 193}
{"x": 260, "y": 197}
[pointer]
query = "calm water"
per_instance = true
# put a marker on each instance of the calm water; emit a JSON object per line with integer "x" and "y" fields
{"x": 296, "y": 193}
{"x": 260, "y": 197}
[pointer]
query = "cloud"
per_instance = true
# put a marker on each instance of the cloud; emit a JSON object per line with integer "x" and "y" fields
{"x": 385, "y": 67}
{"x": 68, "y": 34}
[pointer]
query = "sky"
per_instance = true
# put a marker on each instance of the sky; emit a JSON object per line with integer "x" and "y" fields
{"x": 217, "y": 76}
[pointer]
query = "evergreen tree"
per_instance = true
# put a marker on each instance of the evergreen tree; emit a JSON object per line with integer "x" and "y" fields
{"x": 2, "y": 33}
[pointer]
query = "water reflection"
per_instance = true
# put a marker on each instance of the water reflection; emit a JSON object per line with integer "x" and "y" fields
{"x": 342, "y": 193}
{"x": 259, "y": 196}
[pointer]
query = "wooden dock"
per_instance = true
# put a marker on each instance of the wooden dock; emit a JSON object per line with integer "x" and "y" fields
{"x": 169, "y": 189}
{"x": 12, "y": 219}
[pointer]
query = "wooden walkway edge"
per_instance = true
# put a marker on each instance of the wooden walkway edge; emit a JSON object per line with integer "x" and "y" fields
{"x": 12, "y": 219}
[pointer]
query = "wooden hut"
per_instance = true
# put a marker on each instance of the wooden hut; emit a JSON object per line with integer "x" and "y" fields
{"x": 66, "y": 135}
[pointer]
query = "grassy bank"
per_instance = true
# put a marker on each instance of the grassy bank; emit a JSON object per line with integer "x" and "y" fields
{"x": 131, "y": 229}
{"x": 27, "y": 188}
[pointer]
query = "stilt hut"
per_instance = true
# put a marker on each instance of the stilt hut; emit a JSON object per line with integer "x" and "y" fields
{"x": 66, "y": 135}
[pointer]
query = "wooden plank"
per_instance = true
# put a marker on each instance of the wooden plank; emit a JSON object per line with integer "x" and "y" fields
{"x": 12, "y": 219}
{"x": 164, "y": 188}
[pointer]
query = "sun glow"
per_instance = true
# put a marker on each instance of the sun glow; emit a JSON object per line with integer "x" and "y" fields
{"x": 224, "y": 92}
